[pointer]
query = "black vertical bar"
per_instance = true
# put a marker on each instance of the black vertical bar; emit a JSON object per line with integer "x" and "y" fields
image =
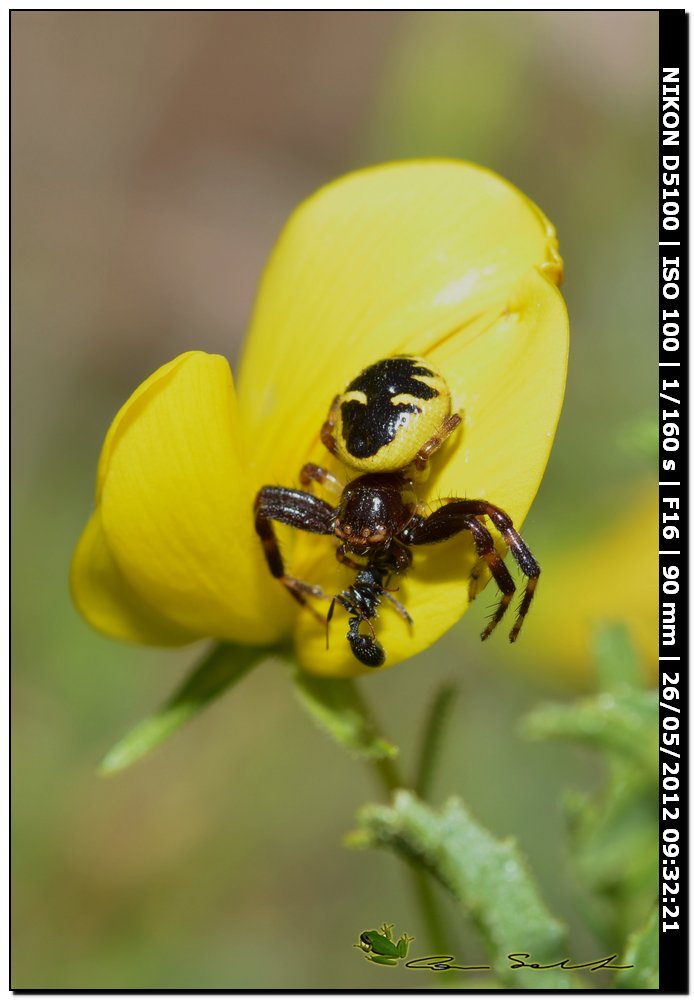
{"x": 673, "y": 207}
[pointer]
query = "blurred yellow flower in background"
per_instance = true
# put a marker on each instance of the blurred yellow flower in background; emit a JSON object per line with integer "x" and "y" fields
{"x": 436, "y": 258}
{"x": 610, "y": 576}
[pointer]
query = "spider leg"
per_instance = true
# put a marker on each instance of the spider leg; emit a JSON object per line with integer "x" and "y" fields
{"x": 435, "y": 442}
{"x": 316, "y": 473}
{"x": 461, "y": 515}
{"x": 326, "y": 431}
{"x": 520, "y": 552}
{"x": 484, "y": 543}
{"x": 298, "y": 510}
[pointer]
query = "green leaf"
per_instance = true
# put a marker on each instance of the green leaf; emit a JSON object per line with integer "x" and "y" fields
{"x": 622, "y": 724}
{"x": 621, "y": 719}
{"x": 222, "y": 667}
{"x": 336, "y": 706}
{"x": 488, "y": 877}
{"x": 643, "y": 954}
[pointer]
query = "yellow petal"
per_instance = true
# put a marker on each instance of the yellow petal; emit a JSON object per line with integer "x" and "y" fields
{"x": 176, "y": 510}
{"x": 106, "y": 600}
{"x": 396, "y": 257}
{"x": 436, "y": 258}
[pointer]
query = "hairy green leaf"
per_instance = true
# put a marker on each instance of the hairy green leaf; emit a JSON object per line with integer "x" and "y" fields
{"x": 621, "y": 719}
{"x": 488, "y": 877}
{"x": 619, "y": 723}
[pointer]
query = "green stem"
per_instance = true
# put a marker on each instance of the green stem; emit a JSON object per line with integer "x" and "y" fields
{"x": 387, "y": 774}
{"x": 389, "y": 778}
{"x": 432, "y": 738}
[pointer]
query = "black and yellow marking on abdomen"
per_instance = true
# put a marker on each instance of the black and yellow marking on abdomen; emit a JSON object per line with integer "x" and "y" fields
{"x": 374, "y": 403}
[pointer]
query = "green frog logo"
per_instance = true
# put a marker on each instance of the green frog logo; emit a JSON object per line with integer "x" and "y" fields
{"x": 379, "y": 947}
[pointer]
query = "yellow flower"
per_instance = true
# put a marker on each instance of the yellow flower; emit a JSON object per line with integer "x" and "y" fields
{"x": 435, "y": 258}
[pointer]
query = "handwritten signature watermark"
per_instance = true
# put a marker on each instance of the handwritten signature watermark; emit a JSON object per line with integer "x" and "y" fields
{"x": 517, "y": 960}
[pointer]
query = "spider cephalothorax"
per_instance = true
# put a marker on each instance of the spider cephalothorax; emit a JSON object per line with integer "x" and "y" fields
{"x": 387, "y": 424}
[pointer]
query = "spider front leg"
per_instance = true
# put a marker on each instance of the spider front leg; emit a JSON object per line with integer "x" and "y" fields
{"x": 484, "y": 543}
{"x": 519, "y": 550}
{"x": 461, "y": 515}
{"x": 298, "y": 510}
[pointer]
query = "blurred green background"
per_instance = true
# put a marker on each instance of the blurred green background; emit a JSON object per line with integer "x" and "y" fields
{"x": 155, "y": 158}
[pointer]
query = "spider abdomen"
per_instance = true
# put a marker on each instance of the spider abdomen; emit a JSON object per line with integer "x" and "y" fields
{"x": 388, "y": 412}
